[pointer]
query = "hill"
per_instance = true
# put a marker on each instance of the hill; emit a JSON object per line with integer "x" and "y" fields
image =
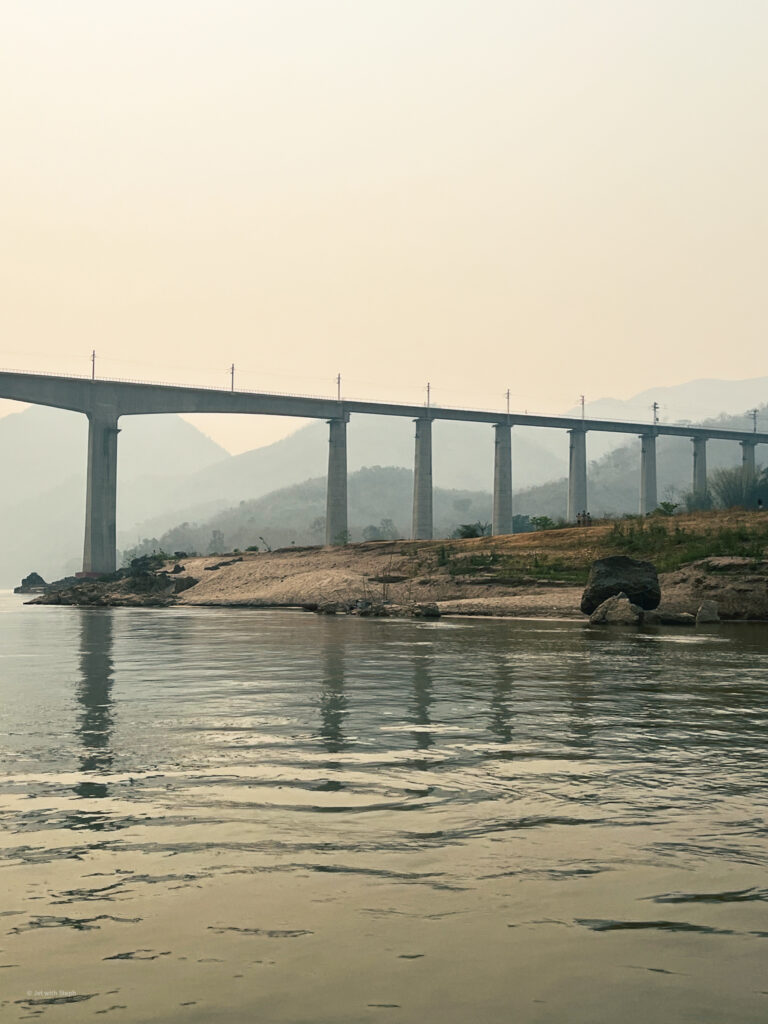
{"x": 297, "y": 514}
{"x": 614, "y": 479}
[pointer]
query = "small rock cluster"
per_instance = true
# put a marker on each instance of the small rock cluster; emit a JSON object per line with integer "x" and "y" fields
{"x": 32, "y": 584}
{"x": 370, "y": 609}
{"x": 142, "y": 590}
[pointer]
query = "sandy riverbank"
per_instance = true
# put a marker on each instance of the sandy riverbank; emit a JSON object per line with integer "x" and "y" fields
{"x": 525, "y": 575}
{"x": 394, "y": 573}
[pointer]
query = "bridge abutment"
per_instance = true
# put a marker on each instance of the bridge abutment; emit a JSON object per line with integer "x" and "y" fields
{"x": 336, "y": 526}
{"x": 502, "y": 480}
{"x": 100, "y": 548}
{"x": 422, "y": 481}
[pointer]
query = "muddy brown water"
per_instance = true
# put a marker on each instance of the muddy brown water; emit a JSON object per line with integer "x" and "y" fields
{"x": 235, "y": 815}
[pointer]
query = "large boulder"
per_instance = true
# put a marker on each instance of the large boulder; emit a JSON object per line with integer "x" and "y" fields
{"x": 621, "y": 575}
{"x": 616, "y": 611}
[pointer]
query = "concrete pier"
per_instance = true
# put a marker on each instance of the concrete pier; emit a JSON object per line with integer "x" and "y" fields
{"x": 336, "y": 528}
{"x": 700, "y": 488}
{"x": 648, "y": 491}
{"x": 100, "y": 549}
{"x": 748, "y": 467}
{"x": 422, "y": 481}
{"x": 577, "y": 473}
{"x": 502, "y": 480}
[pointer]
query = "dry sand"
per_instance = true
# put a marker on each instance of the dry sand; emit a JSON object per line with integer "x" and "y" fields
{"x": 307, "y": 576}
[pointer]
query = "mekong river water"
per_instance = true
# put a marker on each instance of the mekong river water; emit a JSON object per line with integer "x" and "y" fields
{"x": 272, "y": 816}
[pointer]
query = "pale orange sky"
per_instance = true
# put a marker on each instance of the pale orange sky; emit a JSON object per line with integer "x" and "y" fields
{"x": 548, "y": 196}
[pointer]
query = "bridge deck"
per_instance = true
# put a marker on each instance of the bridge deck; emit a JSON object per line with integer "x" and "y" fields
{"x": 131, "y": 398}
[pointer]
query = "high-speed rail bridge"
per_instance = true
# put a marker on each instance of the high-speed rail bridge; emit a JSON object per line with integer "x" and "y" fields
{"x": 105, "y": 401}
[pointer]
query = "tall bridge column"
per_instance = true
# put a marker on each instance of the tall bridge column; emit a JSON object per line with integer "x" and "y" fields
{"x": 577, "y": 473}
{"x": 648, "y": 493}
{"x": 502, "y": 480}
{"x": 422, "y": 481}
{"x": 699, "y": 467}
{"x": 336, "y": 528}
{"x": 100, "y": 549}
{"x": 748, "y": 460}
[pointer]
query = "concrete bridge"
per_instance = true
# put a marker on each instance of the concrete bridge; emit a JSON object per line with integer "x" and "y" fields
{"x": 105, "y": 401}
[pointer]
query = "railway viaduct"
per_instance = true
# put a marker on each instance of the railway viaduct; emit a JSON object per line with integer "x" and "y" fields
{"x": 105, "y": 401}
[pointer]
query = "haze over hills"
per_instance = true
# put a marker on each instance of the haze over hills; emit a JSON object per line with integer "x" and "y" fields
{"x": 169, "y": 472}
{"x": 692, "y": 402}
{"x": 44, "y": 452}
{"x": 296, "y": 514}
{"x": 462, "y": 457}
{"x": 614, "y": 477}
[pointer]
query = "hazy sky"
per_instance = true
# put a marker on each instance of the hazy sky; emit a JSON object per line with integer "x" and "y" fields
{"x": 549, "y": 196}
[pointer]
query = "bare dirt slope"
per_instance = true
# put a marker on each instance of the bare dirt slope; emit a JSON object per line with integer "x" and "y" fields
{"x": 400, "y": 573}
{"x": 540, "y": 574}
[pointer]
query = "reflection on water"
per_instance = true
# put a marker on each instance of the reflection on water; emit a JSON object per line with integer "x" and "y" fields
{"x": 422, "y": 701}
{"x": 333, "y": 701}
{"x": 500, "y": 700}
{"x": 94, "y": 694}
{"x": 276, "y": 816}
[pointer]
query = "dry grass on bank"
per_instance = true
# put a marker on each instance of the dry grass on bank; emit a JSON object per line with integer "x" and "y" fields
{"x": 668, "y": 541}
{"x": 547, "y": 568}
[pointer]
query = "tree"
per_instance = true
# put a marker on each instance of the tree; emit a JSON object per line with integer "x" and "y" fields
{"x": 477, "y": 529}
{"x": 386, "y": 530}
{"x": 216, "y": 544}
{"x": 542, "y": 523}
{"x": 521, "y": 524}
{"x": 664, "y": 508}
{"x": 697, "y": 502}
{"x": 732, "y": 488}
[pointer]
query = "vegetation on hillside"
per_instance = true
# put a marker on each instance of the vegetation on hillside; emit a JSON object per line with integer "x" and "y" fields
{"x": 614, "y": 479}
{"x": 379, "y": 509}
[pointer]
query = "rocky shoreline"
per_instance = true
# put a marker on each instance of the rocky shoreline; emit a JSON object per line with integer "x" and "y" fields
{"x": 397, "y": 579}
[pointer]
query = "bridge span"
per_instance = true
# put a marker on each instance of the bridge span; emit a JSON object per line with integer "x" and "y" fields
{"x": 105, "y": 401}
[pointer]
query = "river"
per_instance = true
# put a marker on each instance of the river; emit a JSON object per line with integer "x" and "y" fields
{"x": 272, "y": 816}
